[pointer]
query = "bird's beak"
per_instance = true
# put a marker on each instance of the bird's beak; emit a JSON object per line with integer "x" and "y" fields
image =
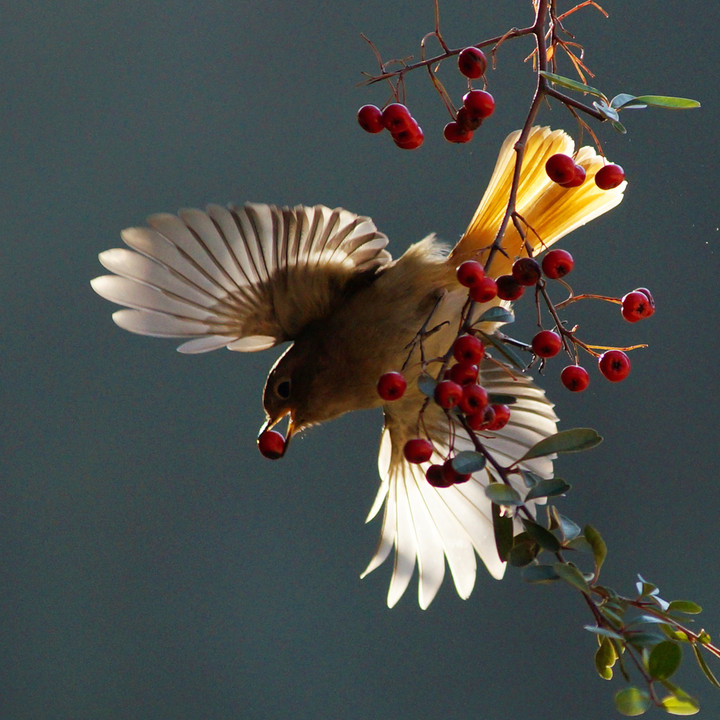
{"x": 272, "y": 422}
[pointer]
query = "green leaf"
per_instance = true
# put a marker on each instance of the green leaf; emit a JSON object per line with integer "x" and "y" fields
{"x": 572, "y": 84}
{"x": 605, "y": 658}
{"x": 523, "y": 552}
{"x": 632, "y": 701}
{"x": 704, "y": 666}
{"x": 622, "y": 100}
{"x": 598, "y": 545}
{"x": 671, "y": 103}
{"x": 571, "y": 575}
{"x": 496, "y": 314}
{"x": 502, "y": 494}
{"x": 665, "y": 659}
{"x": 539, "y": 574}
{"x": 426, "y": 385}
{"x": 684, "y": 606}
{"x": 618, "y": 126}
{"x": 679, "y": 706}
{"x": 542, "y": 536}
{"x": 605, "y": 632}
{"x": 569, "y": 529}
{"x": 549, "y": 487}
{"x": 573, "y": 440}
{"x": 503, "y": 529}
{"x": 468, "y": 462}
{"x": 609, "y": 112}
{"x": 504, "y": 349}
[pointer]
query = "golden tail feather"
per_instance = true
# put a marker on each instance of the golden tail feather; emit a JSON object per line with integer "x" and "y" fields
{"x": 549, "y": 211}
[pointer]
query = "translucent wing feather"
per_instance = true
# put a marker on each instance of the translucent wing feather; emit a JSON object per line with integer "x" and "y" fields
{"x": 244, "y": 278}
{"x": 430, "y": 526}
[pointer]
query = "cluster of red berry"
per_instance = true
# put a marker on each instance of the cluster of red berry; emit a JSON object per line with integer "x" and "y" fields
{"x": 407, "y": 134}
{"x": 458, "y": 389}
{"x": 613, "y": 364}
{"x": 564, "y": 171}
{"x": 396, "y": 118}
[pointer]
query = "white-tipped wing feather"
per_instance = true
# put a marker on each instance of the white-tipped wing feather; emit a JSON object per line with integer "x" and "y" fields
{"x": 244, "y": 278}
{"x": 428, "y": 525}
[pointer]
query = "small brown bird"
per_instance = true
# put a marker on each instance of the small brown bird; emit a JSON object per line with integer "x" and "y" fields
{"x": 251, "y": 277}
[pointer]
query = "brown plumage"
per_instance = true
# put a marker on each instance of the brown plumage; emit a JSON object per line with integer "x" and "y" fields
{"x": 251, "y": 277}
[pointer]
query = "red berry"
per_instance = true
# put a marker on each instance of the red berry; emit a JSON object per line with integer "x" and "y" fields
{"x": 636, "y": 306}
{"x": 479, "y": 104}
{"x": 451, "y": 475}
{"x": 609, "y": 177}
{"x": 578, "y": 178}
{"x": 396, "y": 118}
{"x": 468, "y": 349}
{"x": 614, "y": 365}
{"x": 391, "y": 386}
{"x": 448, "y": 394}
{"x": 574, "y": 378}
{"x": 271, "y": 444}
{"x": 502, "y": 417}
{"x": 480, "y": 419}
{"x": 474, "y": 399}
{"x": 418, "y": 450}
{"x": 484, "y": 291}
{"x": 557, "y": 264}
{"x": 560, "y": 168}
{"x": 467, "y": 121}
{"x": 436, "y": 477}
{"x": 526, "y": 271}
{"x": 546, "y": 344}
{"x": 370, "y": 118}
{"x": 470, "y": 273}
{"x": 651, "y": 299}
{"x": 508, "y": 288}
{"x": 472, "y": 62}
{"x": 409, "y": 139}
{"x": 462, "y": 373}
{"x": 453, "y": 133}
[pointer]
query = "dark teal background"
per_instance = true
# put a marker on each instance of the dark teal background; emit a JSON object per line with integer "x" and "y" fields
{"x": 153, "y": 564}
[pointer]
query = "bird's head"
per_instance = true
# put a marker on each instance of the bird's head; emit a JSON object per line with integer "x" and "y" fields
{"x": 310, "y": 385}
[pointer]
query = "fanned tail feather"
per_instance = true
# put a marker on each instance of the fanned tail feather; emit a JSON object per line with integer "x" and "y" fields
{"x": 548, "y": 211}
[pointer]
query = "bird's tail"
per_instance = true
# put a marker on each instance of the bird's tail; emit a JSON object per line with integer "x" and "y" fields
{"x": 548, "y": 211}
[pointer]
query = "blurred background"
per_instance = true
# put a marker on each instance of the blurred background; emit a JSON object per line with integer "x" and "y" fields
{"x": 153, "y": 564}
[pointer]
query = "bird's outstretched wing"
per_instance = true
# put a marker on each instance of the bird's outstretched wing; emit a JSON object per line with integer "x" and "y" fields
{"x": 245, "y": 277}
{"x": 548, "y": 211}
{"x": 428, "y": 525}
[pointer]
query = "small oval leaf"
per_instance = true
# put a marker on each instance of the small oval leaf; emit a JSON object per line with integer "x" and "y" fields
{"x": 632, "y": 701}
{"x": 684, "y": 606}
{"x": 549, "y": 487}
{"x": 598, "y": 545}
{"x": 468, "y": 462}
{"x": 543, "y": 537}
{"x": 571, "y": 575}
{"x": 664, "y": 660}
{"x": 502, "y": 494}
{"x": 679, "y": 706}
{"x": 426, "y": 385}
{"x": 670, "y": 103}
{"x": 574, "y": 440}
{"x": 571, "y": 84}
{"x": 497, "y": 314}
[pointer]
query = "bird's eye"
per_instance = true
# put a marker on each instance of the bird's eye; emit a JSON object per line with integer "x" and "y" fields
{"x": 282, "y": 389}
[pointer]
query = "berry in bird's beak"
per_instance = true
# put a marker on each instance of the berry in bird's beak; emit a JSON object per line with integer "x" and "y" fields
{"x": 271, "y": 443}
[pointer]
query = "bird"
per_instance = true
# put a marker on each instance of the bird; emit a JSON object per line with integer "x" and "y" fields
{"x": 255, "y": 276}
